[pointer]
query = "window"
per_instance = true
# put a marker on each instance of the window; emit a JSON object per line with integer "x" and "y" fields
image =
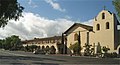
{"x": 107, "y": 25}
{"x": 75, "y": 37}
{"x": 103, "y": 15}
{"x": 98, "y": 26}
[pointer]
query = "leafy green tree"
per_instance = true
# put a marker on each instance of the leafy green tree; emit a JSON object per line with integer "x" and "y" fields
{"x": 1, "y": 43}
{"x": 52, "y": 50}
{"x": 33, "y": 47}
{"x": 75, "y": 47}
{"x": 7, "y": 43}
{"x": 116, "y": 4}
{"x": 13, "y": 42}
{"x": 16, "y": 41}
{"x": 26, "y": 48}
{"x": 9, "y": 9}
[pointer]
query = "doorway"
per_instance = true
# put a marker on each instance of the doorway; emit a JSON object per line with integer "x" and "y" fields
{"x": 119, "y": 51}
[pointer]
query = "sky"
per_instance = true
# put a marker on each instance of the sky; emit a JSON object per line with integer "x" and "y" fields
{"x": 45, "y": 18}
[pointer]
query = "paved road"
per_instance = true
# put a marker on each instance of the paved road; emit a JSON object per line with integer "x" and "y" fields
{"x": 27, "y": 58}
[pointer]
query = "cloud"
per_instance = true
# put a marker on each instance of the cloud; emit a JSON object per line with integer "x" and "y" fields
{"x": 55, "y": 5}
{"x": 33, "y": 25}
{"x": 68, "y": 17}
{"x": 32, "y": 4}
{"x": 89, "y": 22}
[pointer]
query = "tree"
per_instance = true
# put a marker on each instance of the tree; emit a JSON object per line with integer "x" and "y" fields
{"x": 52, "y": 50}
{"x": 13, "y": 42}
{"x": 105, "y": 49}
{"x": 116, "y": 4}
{"x": 7, "y": 43}
{"x": 9, "y": 9}
{"x": 16, "y": 42}
{"x": 75, "y": 47}
{"x": 32, "y": 47}
{"x": 1, "y": 41}
{"x": 26, "y": 48}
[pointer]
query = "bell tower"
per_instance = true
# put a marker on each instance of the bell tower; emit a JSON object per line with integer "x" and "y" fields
{"x": 105, "y": 28}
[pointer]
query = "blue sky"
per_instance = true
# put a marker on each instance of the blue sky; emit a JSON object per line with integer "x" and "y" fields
{"x": 82, "y": 10}
{"x": 46, "y": 18}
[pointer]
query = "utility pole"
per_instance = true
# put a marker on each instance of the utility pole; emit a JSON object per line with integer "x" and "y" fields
{"x": 88, "y": 38}
{"x": 64, "y": 43}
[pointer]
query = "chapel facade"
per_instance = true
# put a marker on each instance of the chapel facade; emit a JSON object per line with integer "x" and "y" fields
{"x": 104, "y": 33}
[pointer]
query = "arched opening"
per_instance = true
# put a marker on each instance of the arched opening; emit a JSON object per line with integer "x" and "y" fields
{"x": 103, "y": 15}
{"x": 52, "y": 50}
{"x": 39, "y": 47}
{"x": 107, "y": 25}
{"x": 98, "y": 27}
{"x": 75, "y": 37}
{"x": 47, "y": 49}
{"x": 43, "y": 47}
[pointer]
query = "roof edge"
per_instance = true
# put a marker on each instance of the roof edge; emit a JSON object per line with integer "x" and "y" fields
{"x": 81, "y": 25}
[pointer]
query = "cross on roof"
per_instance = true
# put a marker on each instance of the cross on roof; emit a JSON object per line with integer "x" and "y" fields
{"x": 104, "y": 7}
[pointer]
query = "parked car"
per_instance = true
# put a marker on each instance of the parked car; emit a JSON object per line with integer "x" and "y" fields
{"x": 38, "y": 52}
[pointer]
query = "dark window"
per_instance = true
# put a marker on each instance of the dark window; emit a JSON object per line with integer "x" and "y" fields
{"x": 98, "y": 26}
{"x": 107, "y": 25}
{"x": 103, "y": 15}
{"x": 75, "y": 37}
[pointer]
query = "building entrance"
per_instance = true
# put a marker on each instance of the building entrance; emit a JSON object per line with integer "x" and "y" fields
{"x": 119, "y": 51}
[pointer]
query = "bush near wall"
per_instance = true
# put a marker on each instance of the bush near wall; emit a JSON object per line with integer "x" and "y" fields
{"x": 110, "y": 55}
{"x": 75, "y": 48}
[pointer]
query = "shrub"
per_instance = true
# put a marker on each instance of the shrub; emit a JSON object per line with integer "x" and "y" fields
{"x": 52, "y": 50}
{"x": 76, "y": 48}
{"x": 105, "y": 49}
{"x": 110, "y": 55}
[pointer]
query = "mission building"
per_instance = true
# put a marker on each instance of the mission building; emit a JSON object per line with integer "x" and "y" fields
{"x": 104, "y": 33}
